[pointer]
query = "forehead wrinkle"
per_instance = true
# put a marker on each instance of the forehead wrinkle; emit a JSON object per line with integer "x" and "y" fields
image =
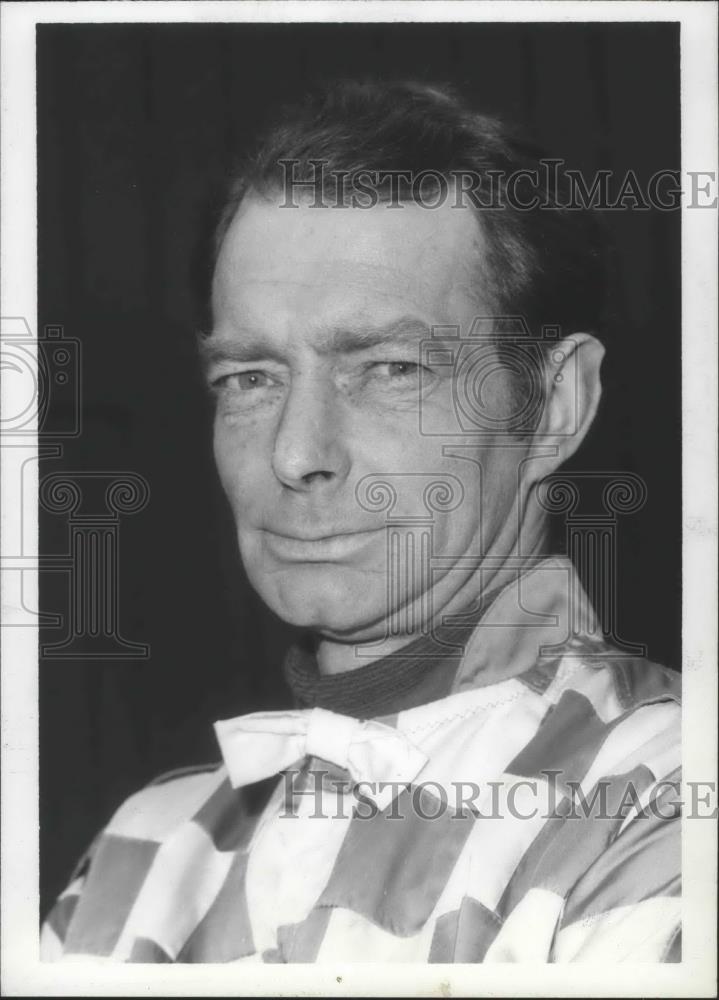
{"x": 288, "y": 281}
{"x": 340, "y": 338}
{"x": 354, "y": 337}
{"x": 241, "y": 267}
{"x": 466, "y": 281}
{"x": 238, "y": 297}
{"x": 317, "y": 273}
{"x": 214, "y": 348}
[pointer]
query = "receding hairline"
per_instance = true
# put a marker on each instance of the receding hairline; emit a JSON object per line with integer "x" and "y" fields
{"x": 548, "y": 266}
{"x": 479, "y": 269}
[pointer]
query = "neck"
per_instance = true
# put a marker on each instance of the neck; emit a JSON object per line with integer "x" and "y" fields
{"x": 492, "y": 575}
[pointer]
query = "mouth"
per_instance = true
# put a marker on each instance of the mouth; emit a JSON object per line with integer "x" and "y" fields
{"x": 319, "y": 548}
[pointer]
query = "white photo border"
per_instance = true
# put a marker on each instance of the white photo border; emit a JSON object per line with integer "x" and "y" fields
{"x": 695, "y": 976}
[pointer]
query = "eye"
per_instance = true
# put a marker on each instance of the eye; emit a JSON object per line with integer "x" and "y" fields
{"x": 244, "y": 381}
{"x": 399, "y": 369}
{"x": 400, "y": 374}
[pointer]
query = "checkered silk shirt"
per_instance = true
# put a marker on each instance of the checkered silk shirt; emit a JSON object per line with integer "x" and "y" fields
{"x": 542, "y": 823}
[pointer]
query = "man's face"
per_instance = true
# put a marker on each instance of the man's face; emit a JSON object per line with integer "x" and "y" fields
{"x": 315, "y": 360}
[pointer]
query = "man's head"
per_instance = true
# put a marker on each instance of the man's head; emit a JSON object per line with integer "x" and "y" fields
{"x": 320, "y": 357}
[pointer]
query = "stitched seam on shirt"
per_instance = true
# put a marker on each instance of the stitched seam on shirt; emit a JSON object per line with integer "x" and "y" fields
{"x": 467, "y": 714}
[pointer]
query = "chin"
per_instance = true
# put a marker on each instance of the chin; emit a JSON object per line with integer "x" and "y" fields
{"x": 335, "y": 601}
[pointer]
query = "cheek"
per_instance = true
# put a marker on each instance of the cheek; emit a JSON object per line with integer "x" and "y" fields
{"x": 228, "y": 460}
{"x": 240, "y": 458}
{"x": 488, "y": 488}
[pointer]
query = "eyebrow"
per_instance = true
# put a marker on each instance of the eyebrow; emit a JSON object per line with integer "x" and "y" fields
{"x": 348, "y": 338}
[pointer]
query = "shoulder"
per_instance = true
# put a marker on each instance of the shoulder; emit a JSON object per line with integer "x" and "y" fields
{"x": 614, "y": 683}
{"x": 612, "y": 713}
{"x": 110, "y": 873}
{"x": 170, "y": 799}
{"x": 179, "y": 773}
{"x": 639, "y": 681}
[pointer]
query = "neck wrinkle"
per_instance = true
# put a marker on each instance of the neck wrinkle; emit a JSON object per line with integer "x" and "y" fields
{"x": 334, "y": 658}
{"x": 422, "y": 671}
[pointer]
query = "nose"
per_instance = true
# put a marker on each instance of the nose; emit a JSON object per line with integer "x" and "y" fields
{"x": 310, "y": 451}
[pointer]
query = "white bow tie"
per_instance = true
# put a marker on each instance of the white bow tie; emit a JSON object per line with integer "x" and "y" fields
{"x": 260, "y": 745}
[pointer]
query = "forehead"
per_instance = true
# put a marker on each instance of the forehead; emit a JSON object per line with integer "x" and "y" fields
{"x": 296, "y": 265}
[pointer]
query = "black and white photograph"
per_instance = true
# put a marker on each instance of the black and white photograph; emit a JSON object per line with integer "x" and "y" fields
{"x": 359, "y": 499}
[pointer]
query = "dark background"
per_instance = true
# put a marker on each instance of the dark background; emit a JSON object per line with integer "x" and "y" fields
{"x": 134, "y": 123}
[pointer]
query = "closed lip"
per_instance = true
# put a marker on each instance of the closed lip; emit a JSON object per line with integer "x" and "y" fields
{"x": 325, "y": 537}
{"x": 318, "y": 548}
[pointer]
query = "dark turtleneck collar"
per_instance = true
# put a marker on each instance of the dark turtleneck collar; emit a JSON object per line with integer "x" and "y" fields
{"x": 421, "y": 672}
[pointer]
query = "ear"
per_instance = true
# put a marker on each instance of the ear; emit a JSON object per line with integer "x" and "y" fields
{"x": 573, "y": 390}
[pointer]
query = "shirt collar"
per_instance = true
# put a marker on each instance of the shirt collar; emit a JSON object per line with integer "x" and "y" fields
{"x": 415, "y": 674}
{"x": 542, "y": 614}
{"x": 504, "y": 637}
